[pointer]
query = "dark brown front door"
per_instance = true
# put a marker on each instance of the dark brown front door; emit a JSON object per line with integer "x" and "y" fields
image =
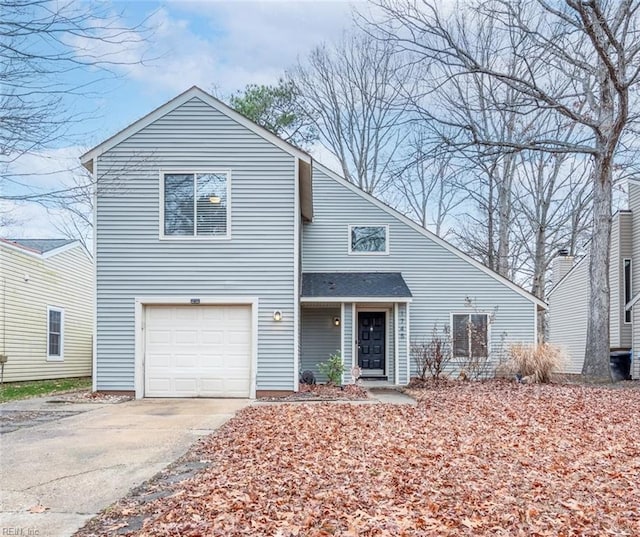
{"x": 371, "y": 338}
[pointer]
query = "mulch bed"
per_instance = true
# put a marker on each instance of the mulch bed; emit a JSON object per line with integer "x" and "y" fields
{"x": 322, "y": 392}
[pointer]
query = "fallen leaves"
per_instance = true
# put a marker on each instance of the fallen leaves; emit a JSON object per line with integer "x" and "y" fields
{"x": 471, "y": 459}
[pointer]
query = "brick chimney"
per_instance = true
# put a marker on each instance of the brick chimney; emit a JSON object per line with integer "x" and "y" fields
{"x": 561, "y": 264}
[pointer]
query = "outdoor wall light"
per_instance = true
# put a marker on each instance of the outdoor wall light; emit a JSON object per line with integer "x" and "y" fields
{"x": 277, "y": 315}
{"x": 336, "y": 321}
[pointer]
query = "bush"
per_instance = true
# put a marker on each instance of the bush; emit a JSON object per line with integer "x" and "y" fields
{"x": 332, "y": 369}
{"x": 532, "y": 363}
{"x": 432, "y": 356}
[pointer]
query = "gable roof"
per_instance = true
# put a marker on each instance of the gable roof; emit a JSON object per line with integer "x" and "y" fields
{"x": 439, "y": 241}
{"x": 41, "y": 247}
{"x": 354, "y": 284}
{"x": 191, "y": 93}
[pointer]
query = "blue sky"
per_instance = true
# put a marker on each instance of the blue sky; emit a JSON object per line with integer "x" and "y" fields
{"x": 220, "y": 46}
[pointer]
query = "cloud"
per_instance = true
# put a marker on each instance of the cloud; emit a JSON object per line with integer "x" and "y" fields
{"x": 220, "y": 46}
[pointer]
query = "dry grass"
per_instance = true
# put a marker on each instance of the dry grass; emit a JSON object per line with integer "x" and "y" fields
{"x": 532, "y": 363}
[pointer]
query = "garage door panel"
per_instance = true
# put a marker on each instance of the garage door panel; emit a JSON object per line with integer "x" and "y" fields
{"x": 198, "y": 351}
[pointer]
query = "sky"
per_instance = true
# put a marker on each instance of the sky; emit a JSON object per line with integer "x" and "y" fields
{"x": 220, "y": 46}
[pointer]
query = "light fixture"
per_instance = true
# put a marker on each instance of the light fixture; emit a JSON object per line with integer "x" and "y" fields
{"x": 336, "y": 321}
{"x": 214, "y": 199}
{"x": 277, "y": 315}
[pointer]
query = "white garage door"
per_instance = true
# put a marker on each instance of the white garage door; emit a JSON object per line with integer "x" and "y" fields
{"x": 198, "y": 351}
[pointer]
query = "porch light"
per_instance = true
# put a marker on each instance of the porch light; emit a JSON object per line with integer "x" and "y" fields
{"x": 336, "y": 321}
{"x": 277, "y": 316}
{"x": 214, "y": 199}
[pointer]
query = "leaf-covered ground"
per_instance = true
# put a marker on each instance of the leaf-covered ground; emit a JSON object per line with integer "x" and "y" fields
{"x": 475, "y": 459}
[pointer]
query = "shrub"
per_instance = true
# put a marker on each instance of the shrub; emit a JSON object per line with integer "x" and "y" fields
{"x": 332, "y": 369}
{"x": 432, "y": 356}
{"x": 532, "y": 363}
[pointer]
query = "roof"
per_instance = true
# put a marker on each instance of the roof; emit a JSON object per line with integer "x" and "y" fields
{"x": 438, "y": 240}
{"x": 39, "y": 246}
{"x": 354, "y": 285}
{"x": 191, "y": 93}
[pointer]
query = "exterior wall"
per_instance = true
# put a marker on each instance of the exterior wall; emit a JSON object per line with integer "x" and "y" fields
{"x": 441, "y": 282}
{"x": 568, "y": 308}
{"x": 347, "y": 338}
{"x": 257, "y": 261}
{"x": 634, "y": 205}
{"x": 30, "y": 283}
{"x": 319, "y": 338}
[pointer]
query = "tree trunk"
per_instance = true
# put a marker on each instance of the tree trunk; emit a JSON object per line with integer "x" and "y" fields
{"x": 596, "y": 360}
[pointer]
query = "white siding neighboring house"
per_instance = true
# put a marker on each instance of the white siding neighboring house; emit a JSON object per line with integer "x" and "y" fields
{"x": 569, "y": 296}
{"x": 228, "y": 262}
{"x": 46, "y": 309}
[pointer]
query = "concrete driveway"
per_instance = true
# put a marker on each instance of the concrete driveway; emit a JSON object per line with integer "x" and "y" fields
{"x": 72, "y": 468}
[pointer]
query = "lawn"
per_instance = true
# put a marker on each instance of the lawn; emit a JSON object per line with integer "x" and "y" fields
{"x": 477, "y": 459}
{"x": 11, "y": 391}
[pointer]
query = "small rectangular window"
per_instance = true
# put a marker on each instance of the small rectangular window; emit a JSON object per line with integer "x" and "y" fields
{"x": 470, "y": 335}
{"x": 368, "y": 239}
{"x": 55, "y": 333}
{"x": 627, "y": 289}
{"x": 196, "y": 204}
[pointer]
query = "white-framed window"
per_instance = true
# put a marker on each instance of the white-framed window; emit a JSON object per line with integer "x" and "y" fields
{"x": 628, "y": 274}
{"x": 368, "y": 239}
{"x": 470, "y": 335}
{"x": 195, "y": 204}
{"x": 55, "y": 333}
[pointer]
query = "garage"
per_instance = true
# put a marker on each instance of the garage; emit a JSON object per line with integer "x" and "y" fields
{"x": 197, "y": 351}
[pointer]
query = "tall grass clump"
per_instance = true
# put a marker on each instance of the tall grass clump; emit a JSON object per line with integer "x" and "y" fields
{"x": 532, "y": 363}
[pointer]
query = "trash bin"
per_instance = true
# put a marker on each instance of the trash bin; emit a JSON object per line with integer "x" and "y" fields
{"x": 620, "y": 363}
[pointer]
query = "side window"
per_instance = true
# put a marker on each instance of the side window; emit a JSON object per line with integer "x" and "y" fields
{"x": 470, "y": 335}
{"x": 195, "y": 205}
{"x": 627, "y": 288}
{"x": 55, "y": 333}
{"x": 368, "y": 239}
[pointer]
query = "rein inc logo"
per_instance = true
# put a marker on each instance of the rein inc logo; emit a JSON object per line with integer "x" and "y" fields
{"x": 20, "y": 531}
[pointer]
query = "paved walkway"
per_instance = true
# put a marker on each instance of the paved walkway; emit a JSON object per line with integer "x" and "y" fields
{"x": 391, "y": 396}
{"x": 58, "y": 474}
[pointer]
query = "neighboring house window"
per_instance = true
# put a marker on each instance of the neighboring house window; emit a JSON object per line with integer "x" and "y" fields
{"x": 369, "y": 239}
{"x": 627, "y": 289}
{"x": 196, "y": 204}
{"x": 470, "y": 335}
{"x": 55, "y": 333}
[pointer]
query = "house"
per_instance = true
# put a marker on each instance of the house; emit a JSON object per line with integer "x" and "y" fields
{"x": 228, "y": 262}
{"x": 569, "y": 296}
{"x": 46, "y": 309}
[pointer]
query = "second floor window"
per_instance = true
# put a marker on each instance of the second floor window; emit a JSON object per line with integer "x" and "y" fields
{"x": 368, "y": 240}
{"x": 196, "y": 204}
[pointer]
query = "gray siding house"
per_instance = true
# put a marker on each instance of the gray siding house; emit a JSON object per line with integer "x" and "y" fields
{"x": 227, "y": 262}
{"x": 569, "y": 296}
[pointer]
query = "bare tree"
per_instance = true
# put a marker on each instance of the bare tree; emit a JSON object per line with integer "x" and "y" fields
{"x": 425, "y": 184}
{"x": 352, "y": 91}
{"x": 591, "y": 53}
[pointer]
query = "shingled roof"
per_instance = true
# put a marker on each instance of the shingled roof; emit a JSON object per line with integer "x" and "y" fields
{"x": 354, "y": 284}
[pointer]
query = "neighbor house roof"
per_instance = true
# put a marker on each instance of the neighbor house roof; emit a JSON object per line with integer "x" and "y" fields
{"x": 357, "y": 285}
{"x": 40, "y": 247}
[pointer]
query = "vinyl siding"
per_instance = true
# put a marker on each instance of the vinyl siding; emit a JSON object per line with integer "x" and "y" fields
{"x": 319, "y": 338}
{"x": 257, "y": 261}
{"x": 29, "y": 284}
{"x": 634, "y": 205}
{"x": 441, "y": 282}
{"x": 568, "y": 308}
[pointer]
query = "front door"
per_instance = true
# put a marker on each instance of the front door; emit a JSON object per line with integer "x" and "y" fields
{"x": 371, "y": 339}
